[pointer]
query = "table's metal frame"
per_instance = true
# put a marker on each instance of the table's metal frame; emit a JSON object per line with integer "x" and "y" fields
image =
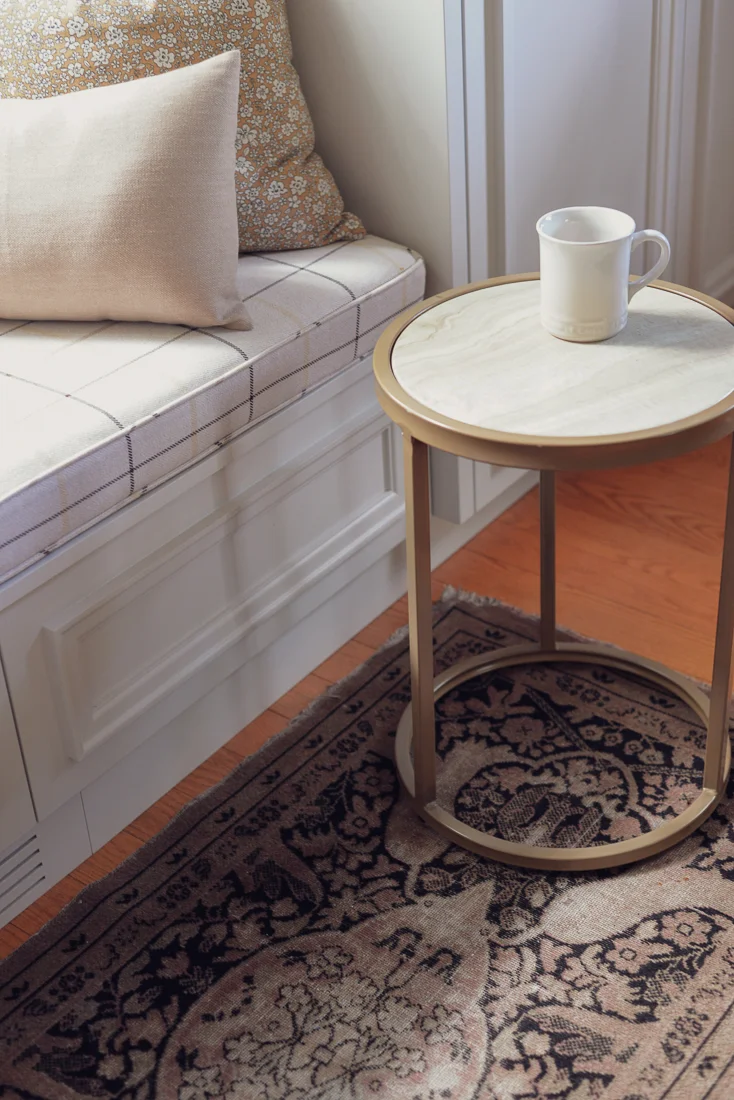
{"x": 421, "y": 427}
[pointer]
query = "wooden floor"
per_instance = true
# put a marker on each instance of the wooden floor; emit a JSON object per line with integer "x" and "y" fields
{"x": 638, "y": 563}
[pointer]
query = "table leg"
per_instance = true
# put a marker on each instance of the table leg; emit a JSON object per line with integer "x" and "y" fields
{"x": 547, "y": 559}
{"x": 415, "y": 748}
{"x": 718, "y": 728}
{"x": 420, "y": 616}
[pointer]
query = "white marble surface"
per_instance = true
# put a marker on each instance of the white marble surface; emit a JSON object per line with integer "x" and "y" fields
{"x": 483, "y": 359}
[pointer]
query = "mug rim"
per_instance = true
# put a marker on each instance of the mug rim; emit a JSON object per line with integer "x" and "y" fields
{"x": 585, "y": 244}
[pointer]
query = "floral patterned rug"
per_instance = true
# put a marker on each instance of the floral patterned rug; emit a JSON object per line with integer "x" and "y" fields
{"x": 298, "y": 934}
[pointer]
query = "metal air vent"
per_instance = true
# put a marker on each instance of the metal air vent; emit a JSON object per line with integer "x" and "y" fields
{"x": 21, "y": 871}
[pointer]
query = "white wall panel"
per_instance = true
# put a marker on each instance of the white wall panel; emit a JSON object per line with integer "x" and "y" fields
{"x": 374, "y": 77}
{"x": 713, "y": 234}
{"x": 577, "y": 102}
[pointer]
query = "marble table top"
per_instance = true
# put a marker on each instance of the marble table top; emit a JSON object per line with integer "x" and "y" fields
{"x": 482, "y": 358}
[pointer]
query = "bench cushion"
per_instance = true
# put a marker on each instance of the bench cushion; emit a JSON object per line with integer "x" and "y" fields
{"x": 94, "y": 414}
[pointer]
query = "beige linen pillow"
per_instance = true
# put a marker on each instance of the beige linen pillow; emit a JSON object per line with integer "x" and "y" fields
{"x": 119, "y": 203}
{"x": 286, "y": 198}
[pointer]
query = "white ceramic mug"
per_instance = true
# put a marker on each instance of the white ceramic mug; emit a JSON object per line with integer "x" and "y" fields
{"x": 585, "y": 284}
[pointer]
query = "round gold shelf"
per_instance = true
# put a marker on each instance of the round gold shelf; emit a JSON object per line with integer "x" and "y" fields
{"x": 563, "y": 859}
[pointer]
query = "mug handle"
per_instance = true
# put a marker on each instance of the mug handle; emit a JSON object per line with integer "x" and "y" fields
{"x": 658, "y": 268}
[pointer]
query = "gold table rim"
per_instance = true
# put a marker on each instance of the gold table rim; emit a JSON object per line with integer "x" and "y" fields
{"x": 542, "y": 452}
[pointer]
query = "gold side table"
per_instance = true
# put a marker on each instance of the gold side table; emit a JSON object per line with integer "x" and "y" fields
{"x": 472, "y": 372}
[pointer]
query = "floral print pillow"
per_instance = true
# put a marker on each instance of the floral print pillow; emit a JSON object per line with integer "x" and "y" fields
{"x": 286, "y": 197}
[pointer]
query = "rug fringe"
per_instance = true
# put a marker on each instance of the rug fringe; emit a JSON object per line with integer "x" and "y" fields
{"x": 451, "y": 593}
{"x": 460, "y": 595}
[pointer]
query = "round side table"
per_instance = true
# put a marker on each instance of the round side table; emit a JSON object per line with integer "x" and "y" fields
{"x": 472, "y": 372}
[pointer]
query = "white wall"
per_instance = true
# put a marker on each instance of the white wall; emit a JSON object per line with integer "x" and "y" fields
{"x": 713, "y": 227}
{"x": 628, "y": 103}
{"x": 577, "y": 95}
{"x": 373, "y": 72}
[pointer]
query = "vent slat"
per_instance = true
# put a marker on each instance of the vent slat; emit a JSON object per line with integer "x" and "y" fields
{"x": 22, "y": 894}
{"x": 13, "y": 886}
{"x": 18, "y": 848}
{"x": 21, "y": 873}
{"x": 12, "y": 872}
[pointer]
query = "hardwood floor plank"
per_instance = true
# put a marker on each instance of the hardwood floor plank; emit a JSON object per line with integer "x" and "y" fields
{"x": 380, "y": 629}
{"x": 249, "y": 740}
{"x": 107, "y": 858}
{"x": 10, "y": 938}
{"x": 686, "y": 518}
{"x": 344, "y": 661}
{"x": 295, "y": 700}
{"x": 669, "y": 589}
{"x": 504, "y": 580}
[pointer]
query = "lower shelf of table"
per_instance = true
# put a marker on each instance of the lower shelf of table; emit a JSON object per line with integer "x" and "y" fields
{"x": 563, "y": 859}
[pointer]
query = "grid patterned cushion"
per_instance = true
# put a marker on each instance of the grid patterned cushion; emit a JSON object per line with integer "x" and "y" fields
{"x": 94, "y": 414}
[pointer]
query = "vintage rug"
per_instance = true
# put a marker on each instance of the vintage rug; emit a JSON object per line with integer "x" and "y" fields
{"x": 298, "y": 934}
